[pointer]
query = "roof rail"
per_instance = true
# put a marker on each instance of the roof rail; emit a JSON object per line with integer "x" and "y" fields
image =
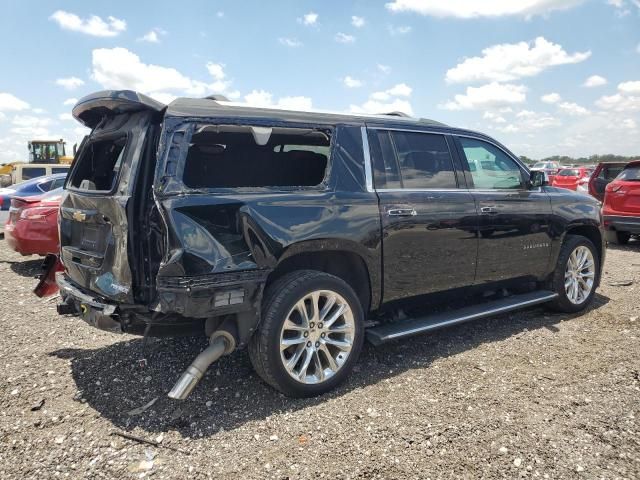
{"x": 395, "y": 114}
{"x": 217, "y": 98}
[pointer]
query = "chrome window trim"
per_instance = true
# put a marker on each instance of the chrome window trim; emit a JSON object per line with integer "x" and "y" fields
{"x": 368, "y": 172}
{"x": 368, "y": 165}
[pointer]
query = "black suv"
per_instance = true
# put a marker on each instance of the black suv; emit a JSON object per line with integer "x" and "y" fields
{"x": 297, "y": 234}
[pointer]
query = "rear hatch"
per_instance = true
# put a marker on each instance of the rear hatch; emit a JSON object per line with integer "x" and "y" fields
{"x": 94, "y": 221}
{"x": 623, "y": 194}
{"x": 566, "y": 178}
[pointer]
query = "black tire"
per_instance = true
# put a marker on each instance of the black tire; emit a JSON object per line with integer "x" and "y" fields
{"x": 556, "y": 283}
{"x": 279, "y": 299}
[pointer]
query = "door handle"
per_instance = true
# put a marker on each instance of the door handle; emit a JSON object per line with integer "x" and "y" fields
{"x": 402, "y": 212}
{"x": 492, "y": 210}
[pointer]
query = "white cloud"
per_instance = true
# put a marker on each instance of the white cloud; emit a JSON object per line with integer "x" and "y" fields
{"x": 351, "y": 82}
{"x": 401, "y": 30}
{"x": 220, "y": 14}
{"x": 262, "y": 98}
{"x": 344, "y": 38}
{"x": 525, "y": 121}
{"x": 626, "y": 100}
{"x": 572, "y": 108}
{"x": 70, "y": 101}
{"x": 30, "y": 121}
{"x": 630, "y": 87}
{"x": 11, "y": 103}
{"x": 118, "y": 68}
{"x": 153, "y": 36}
{"x": 386, "y": 69}
{"x": 494, "y": 117}
{"x": 70, "y": 83}
{"x": 491, "y": 95}
{"x": 65, "y": 117}
{"x": 551, "y": 98}
{"x": 309, "y": 19}
{"x": 623, "y": 7}
{"x": 387, "y": 101}
{"x": 357, "y": 22}
{"x": 290, "y": 42}
{"x": 594, "y": 81}
{"x": 484, "y": 8}
{"x": 93, "y": 25}
{"x": 511, "y": 61}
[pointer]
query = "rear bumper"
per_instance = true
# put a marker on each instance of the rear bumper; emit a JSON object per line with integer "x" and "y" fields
{"x": 621, "y": 223}
{"x": 93, "y": 310}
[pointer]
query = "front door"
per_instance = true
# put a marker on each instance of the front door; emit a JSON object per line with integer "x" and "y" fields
{"x": 514, "y": 237}
{"x": 428, "y": 216}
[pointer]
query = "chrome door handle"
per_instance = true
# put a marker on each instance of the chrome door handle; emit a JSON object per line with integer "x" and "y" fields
{"x": 402, "y": 212}
{"x": 489, "y": 210}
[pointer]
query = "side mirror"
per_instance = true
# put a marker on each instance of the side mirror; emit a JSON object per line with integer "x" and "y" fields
{"x": 538, "y": 179}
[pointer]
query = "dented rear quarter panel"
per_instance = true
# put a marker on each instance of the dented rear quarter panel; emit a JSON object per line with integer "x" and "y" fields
{"x": 223, "y": 236}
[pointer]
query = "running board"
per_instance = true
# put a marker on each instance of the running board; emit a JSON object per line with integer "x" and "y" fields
{"x": 406, "y": 328}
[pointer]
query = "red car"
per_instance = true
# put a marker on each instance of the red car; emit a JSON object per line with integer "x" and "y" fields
{"x": 604, "y": 173}
{"x": 569, "y": 177}
{"x": 621, "y": 208}
{"x": 32, "y": 228}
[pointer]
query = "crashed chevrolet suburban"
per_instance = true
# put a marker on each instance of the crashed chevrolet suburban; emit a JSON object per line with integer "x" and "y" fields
{"x": 298, "y": 234}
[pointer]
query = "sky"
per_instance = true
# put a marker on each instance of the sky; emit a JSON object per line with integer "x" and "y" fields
{"x": 545, "y": 77}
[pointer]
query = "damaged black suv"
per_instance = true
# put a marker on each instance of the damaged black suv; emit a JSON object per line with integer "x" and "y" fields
{"x": 297, "y": 234}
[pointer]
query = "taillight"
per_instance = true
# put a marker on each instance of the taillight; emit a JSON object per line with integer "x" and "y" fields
{"x": 37, "y": 213}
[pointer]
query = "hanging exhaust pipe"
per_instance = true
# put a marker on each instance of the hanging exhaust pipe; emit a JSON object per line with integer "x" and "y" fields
{"x": 220, "y": 343}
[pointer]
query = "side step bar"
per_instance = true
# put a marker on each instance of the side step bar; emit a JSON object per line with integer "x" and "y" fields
{"x": 406, "y": 328}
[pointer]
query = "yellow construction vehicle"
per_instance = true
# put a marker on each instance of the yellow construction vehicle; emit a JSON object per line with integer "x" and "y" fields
{"x": 43, "y": 151}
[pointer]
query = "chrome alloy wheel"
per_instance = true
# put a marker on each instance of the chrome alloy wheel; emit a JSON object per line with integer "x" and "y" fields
{"x": 579, "y": 275}
{"x": 317, "y": 337}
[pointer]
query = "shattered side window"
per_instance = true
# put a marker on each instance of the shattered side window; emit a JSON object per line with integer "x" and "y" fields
{"x": 244, "y": 156}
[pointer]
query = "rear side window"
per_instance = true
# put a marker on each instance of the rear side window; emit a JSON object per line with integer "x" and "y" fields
{"x": 608, "y": 173}
{"x": 28, "y": 173}
{"x": 235, "y": 156}
{"x": 59, "y": 170}
{"x": 99, "y": 164}
{"x": 630, "y": 173}
{"x": 411, "y": 160}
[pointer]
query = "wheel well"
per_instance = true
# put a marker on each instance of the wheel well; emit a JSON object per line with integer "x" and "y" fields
{"x": 590, "y": 232}
{"x": 347, "y": 266}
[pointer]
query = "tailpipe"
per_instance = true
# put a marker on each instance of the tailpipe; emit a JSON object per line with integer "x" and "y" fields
{"x": 221, "y": 343}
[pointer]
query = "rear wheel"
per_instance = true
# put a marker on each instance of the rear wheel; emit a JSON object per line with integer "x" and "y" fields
{"x": 576, "y": 274}
{"x": 310, "y": 336}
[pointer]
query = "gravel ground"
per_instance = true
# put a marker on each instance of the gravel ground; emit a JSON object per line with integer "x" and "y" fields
{"x": 531, "y": 394}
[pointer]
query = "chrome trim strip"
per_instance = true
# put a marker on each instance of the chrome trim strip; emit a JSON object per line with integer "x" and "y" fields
{"x": 466, "y": 318}
{"x": 409, "y": 190}
{"x": 368, "y": 175}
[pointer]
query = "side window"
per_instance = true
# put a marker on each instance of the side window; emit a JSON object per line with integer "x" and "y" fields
{"x": 59, "y": 170}
{"x": 45, "y": 186}
{"x": 490, "y": 167}
{"x": 424, "y": 160}
{"x": 385, "y": 166}
{"x": 29, "y": 173}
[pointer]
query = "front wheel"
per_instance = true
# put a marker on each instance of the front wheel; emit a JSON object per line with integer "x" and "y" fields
{"x": 310, "y": 336}
{"x": 576, "y": 275}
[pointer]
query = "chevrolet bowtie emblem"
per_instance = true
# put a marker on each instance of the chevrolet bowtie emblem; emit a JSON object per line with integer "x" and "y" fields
{"x": 79, "y": 216}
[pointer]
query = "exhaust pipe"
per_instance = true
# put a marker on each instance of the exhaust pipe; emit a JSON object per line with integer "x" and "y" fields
{"x": 221, "y": 343}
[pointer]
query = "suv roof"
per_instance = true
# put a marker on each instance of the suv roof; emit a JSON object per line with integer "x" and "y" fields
{"x": 90, "y": 109}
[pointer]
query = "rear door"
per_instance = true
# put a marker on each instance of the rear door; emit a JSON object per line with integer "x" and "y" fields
{"x": 94, "y": 225}
{"x": 428, "y": 215}
{"x": 514, "y": 220}
{"x": 603, "y": 175}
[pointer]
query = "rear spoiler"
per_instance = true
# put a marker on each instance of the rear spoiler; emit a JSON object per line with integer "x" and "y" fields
{"x": 91, "y": 109}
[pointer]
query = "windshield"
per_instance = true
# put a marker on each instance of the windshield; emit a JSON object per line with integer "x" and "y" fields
{"x": 569, "y": 173}
{"x": 630, "y": 174}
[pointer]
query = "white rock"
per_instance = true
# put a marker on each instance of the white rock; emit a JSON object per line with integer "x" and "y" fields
{"x": 517, "y": 462}
{"x": 503, "y": 450}
{"x": 273, "y": 438}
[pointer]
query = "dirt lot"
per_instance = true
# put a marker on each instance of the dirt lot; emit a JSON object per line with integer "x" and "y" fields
{"x": 531, "y": 394}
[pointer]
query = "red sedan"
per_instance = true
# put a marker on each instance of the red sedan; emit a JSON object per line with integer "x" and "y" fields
{"x": 32, "y": 228}
{"x": 569, "y": 178}
{"x": 621, "y": 208}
